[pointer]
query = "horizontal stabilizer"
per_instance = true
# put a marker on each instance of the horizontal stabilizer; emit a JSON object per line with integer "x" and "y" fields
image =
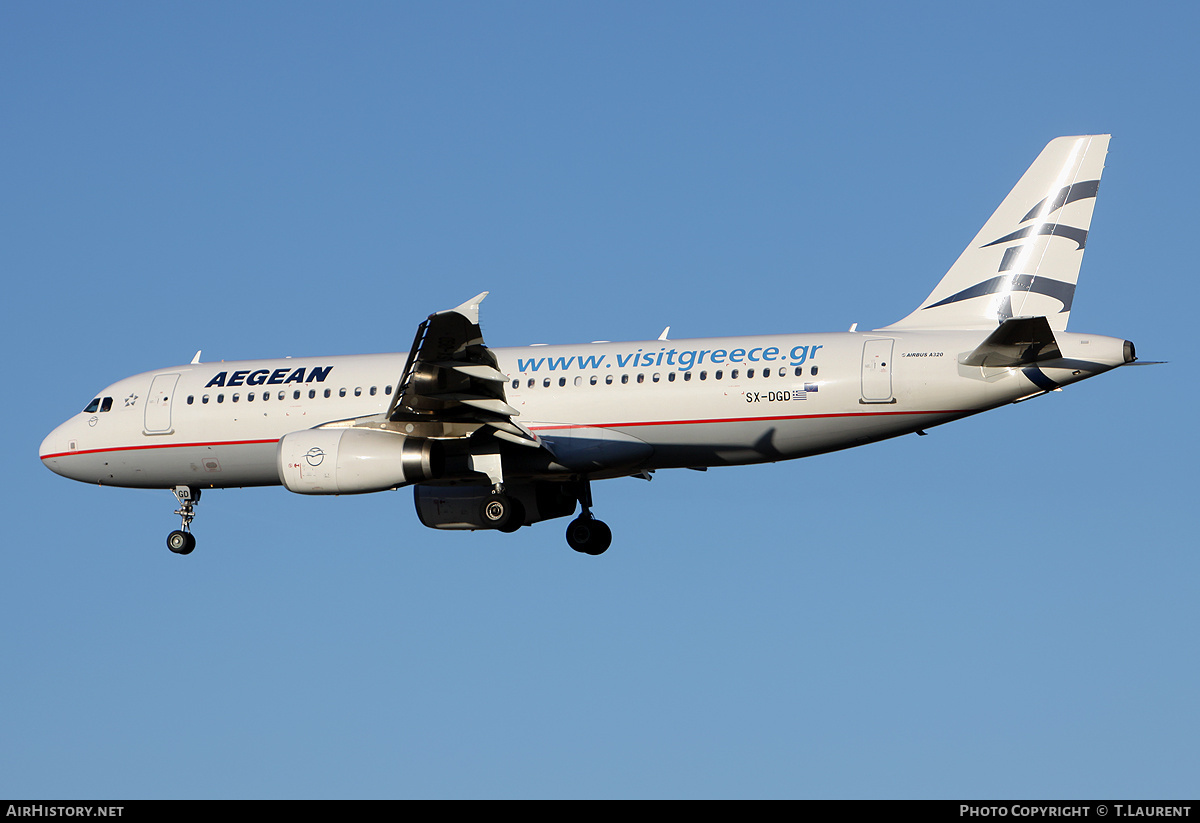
{"x": 1015, "y": 342}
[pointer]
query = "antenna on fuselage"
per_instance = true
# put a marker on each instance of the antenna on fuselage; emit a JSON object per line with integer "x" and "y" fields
{"x": 663, "y": 336}
{"x": 196, "y": 359}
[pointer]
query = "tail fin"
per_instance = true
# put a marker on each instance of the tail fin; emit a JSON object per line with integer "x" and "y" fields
{"x": 1025, "y": 260}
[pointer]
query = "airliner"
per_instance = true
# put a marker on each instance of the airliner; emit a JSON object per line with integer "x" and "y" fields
{"x": 508, "y": 437}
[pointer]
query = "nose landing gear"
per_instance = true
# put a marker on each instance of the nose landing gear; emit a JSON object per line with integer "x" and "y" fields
{"x": 182, "y": 541}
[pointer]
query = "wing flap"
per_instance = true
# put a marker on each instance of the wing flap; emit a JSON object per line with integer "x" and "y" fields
{"x": 478, "y": 371}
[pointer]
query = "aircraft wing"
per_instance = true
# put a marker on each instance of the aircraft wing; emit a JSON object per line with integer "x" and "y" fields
{"x": 452, "y": 377}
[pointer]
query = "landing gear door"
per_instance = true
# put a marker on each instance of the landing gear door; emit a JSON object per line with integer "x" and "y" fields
{"x": 877, "y": 371}
{"x": 158, "y": 404}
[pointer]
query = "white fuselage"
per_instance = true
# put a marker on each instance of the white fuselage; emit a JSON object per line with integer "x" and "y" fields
{"x": 694, "y": 403}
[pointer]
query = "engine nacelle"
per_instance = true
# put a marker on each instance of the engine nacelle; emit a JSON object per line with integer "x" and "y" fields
{"x": 352, "y": 461}
{"x": 459, "y": 507}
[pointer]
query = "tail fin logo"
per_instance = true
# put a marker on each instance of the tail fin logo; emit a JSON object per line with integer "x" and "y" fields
{"x": 1007, "y": 283}
{"x": 1067, "y": 194}
{"x": 1054, "y": 229}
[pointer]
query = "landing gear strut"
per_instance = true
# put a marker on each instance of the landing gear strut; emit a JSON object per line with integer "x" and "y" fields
{"x": 586, "y": 534}
{"x": 182, "y": 541}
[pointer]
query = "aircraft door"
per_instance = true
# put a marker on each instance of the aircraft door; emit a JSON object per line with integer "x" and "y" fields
{"x": 158, "y": 404}
{"x": 877, "y": 371}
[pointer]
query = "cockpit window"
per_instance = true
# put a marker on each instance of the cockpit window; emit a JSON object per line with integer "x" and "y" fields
{"x": 94, "y": 406}
{"x": 106, "y": 405}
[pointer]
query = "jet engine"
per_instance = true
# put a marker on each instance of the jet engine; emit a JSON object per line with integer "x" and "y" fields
{"x": 351, "y": 461}
{"x": 459, "y": 507}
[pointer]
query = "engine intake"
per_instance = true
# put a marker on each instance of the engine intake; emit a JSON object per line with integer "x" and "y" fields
{"x": 353, "y": 461}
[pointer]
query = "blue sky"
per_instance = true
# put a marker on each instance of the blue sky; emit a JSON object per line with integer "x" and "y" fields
{"x": 1006, "y": 608}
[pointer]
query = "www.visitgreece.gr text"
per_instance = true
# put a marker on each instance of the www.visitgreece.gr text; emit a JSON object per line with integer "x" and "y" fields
{"x": 681, "y": 359}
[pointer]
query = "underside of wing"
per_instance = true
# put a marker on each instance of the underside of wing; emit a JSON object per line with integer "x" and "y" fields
{"x": 451, "y": 385}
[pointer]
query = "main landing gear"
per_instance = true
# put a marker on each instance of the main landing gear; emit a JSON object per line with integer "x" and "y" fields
{"x": 586, "y": 534}
{"x": 182, "y": 541}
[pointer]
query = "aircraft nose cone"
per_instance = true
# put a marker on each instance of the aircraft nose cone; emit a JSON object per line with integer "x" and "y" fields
{"x": 52, "y": 449}
{"x": 47, "y": 445}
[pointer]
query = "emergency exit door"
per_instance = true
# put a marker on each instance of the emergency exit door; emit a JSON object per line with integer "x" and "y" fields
{"x": 877, "y": 371}
{"x": 158, "y": 404}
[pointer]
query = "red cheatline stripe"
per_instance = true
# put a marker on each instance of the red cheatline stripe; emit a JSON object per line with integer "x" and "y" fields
{"x": 741, "y": 419}
{"x": 163, "y": 446}
{"x": 546, "y": 428}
